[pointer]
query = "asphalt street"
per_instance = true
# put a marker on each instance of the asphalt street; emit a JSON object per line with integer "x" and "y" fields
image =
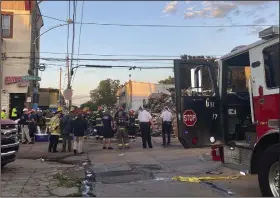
{"x": 133, "y": 172}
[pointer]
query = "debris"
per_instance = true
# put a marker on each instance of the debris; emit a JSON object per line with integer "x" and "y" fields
{"x": 214, "y": 172}
{"x": 244, "y": 173}
{"x": 64, "y": 192}
{"x": 122, "y": 154}
{"x": 200, "y": 179}
{"x": 201, "y": 158}
{"x": 230, "y": 192}
{"x": 157, "y": 102}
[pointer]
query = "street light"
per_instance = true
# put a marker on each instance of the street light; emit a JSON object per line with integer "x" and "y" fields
{"x": 69, "y": 21}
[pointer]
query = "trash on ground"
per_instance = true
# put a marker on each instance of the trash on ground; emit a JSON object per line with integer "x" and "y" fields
{"x": 230, "y": 192}
{"x": 244, "y": 173}
{"x": 214, "y": 172}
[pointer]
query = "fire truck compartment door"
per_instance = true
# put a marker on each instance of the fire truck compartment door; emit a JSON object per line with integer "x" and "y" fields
{"x": 206, "y": 125}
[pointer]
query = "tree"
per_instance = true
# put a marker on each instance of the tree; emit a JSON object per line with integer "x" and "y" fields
{"x": 169, "y": 80}
{"x": 106, "y": 93}
{"x": 92, "y": 106}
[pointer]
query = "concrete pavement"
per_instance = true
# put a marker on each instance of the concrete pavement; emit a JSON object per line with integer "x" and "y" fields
{"x": 134, "y": 172}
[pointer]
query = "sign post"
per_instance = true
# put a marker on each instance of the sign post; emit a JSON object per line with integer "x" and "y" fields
{"x": 189, "y": 118}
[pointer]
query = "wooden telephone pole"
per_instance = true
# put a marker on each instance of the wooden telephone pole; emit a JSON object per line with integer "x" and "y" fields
{"x": 1, "y": 63}
{"x": 59, "y": 93}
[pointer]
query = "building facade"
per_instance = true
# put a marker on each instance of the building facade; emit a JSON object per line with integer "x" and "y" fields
{"x": 16, "y": 42}
{"x": 134, "y": 94}
{"x": 49, "y": 99}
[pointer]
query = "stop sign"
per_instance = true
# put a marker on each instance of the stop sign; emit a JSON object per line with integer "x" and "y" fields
{"x": 189, "y": 118}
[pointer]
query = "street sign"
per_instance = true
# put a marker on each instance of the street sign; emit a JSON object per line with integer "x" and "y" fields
{"x": 68, "y": 94}
{"x": 189, "y": 118}
{"x": 31, "y": 78}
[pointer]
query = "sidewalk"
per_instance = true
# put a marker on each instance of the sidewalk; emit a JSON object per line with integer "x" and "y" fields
{"x": 40, "y": 150}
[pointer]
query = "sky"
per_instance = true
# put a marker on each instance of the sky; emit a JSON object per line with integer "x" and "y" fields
{"x": 149, "y": 41}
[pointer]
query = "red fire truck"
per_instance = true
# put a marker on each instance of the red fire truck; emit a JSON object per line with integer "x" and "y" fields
{"x": 237, "y": 110}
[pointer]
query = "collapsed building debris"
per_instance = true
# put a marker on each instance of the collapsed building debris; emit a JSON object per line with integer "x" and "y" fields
{"x": 156, "y": 104}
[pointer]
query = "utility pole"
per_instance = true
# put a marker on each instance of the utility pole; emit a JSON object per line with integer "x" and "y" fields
{"x": 33, "y": 88}
{"x": 1, "y": 63}
{"x": 59, "y": 94}
{"x": 69, "y": 75}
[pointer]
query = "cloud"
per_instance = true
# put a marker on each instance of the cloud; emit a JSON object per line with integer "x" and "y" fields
{"x": 221, "y": 30}
{"x": 221, "y": 9}
{"x": 259, "y": 21}
{"x": 255, "y": 30}
{"x": 171, "y": 7}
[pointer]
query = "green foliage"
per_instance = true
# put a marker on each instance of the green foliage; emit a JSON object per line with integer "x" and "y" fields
{"x": 92, "y": 106}
{"x": 106, "y": 93}
{"x": 169, "y": 80}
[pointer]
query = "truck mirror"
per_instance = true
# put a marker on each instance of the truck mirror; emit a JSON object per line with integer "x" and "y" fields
{"x": 196, "y": 79}
{"x": 229, "y": 77}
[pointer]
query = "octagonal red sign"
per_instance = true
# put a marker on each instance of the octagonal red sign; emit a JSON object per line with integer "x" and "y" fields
{"x": 189, "y": 118}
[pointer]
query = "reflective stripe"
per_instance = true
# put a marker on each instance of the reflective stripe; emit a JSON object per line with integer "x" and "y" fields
{"x": 120, "y": 145}
{"x": 126, "y": 144}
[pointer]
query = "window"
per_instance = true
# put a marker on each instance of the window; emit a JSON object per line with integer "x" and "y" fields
{"x": 7, "y": 25}
{"x": 271, "y": 66}
{"x": 237, "y": 79}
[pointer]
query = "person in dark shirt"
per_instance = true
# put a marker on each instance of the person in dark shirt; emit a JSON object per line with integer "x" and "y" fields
{"x": 79, "y": 128}
{"x": 24, "y": 122}
{"x": 108, "y": 133}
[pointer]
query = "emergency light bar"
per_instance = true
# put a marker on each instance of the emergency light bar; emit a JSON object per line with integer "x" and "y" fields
{"x": 269, "y": 32}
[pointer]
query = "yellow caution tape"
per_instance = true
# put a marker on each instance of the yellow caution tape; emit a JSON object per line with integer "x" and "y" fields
{"x": 199, "y": 179}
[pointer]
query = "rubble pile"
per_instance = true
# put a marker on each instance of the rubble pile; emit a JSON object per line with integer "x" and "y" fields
{"x": 156, "y": 103}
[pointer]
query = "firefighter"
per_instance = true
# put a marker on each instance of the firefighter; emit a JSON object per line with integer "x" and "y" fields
{"x": 55, "y": 131}
{"x": 99, "y": 124}
{"x": 131, "y": 125}
{"x": 91, "y": 122}
{"x": 14, "y": 114}
{"x": 121, "y": 120}
{"x": 3, "y": 114}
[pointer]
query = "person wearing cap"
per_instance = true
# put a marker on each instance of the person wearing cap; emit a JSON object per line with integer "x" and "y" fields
{"x": 24, "y": 123}
{"x": 166, "y": 117}
{"x": 3, "y": 114}
{"x": 54, "y": 127}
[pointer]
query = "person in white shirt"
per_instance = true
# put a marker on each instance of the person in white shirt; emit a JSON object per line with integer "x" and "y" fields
{"x": 146, "y": 122}
{"x": 166, "y": 117}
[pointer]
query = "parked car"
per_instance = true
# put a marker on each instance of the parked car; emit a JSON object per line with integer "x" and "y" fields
{"x": 9, "y": 141}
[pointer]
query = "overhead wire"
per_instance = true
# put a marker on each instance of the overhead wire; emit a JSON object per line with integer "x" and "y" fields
{"x": 157, "y": 25}
{"x": 79, "y": 44}
{"x": 95, "y": 59}
{"x": 111, "y": 55}
{"x": 162, "y": 25}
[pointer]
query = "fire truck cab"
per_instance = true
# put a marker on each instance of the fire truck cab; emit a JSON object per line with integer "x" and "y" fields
{"x": 240, "y": 111}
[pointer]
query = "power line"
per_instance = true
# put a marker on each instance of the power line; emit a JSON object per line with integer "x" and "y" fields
{"x": 157, "y": 25}
{"x": 164, "y": 25}
{"x": 94, "y": 59}
{"x": 82, "y": 16}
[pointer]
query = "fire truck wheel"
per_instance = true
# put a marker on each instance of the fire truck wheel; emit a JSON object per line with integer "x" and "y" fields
{"x": 268, "y": 173}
